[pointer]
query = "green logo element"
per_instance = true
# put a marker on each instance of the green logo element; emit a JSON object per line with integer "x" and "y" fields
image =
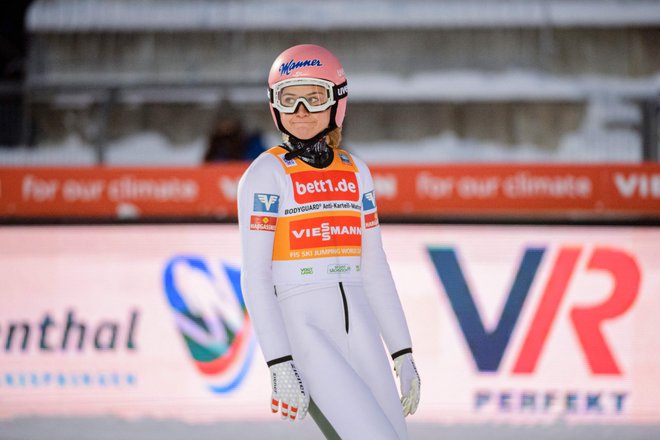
{"x": 339, "y": 268}
{"x": 306, "y": 270}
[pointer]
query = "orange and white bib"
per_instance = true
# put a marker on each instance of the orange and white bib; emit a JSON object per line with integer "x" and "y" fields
{"x": 318, "y": 236}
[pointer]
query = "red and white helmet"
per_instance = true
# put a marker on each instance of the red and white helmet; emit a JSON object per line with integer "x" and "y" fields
{"x": 308, "y": 64}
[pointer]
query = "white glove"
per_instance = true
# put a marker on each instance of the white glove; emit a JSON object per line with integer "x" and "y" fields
{"x": 289, "y": 393}
{"x": 410, "y": 383}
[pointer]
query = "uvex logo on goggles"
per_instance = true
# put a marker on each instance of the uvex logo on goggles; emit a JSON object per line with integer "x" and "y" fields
{"x": 315, "y": 94}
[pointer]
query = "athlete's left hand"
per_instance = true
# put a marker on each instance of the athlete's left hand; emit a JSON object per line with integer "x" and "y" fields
{"x": 409, "y": 381}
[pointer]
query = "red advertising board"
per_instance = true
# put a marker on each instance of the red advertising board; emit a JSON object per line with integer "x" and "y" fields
{"x": 568, "y": 191}
{"x": 205, "y": 191}
{"x": 408, "y": 191}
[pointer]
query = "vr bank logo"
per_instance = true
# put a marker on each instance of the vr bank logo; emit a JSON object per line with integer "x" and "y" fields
{"x": 488, "y": 347}
{"x": 211, "y": 316}
{"x": 587, "y": 321}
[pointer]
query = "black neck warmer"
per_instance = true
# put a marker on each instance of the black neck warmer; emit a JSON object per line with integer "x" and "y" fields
{"x": 315, "y": 151}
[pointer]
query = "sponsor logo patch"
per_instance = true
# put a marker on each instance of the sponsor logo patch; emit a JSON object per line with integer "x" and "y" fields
{"x": 369, "y": 201}
{"x": 325, "y": 232}
{"x": 266, "y": 203}
{"x": 345, "y": 159}
{"x": 306, "y": 271}
{"x": 371, "y": 220}
{"x": 287, "y": 162}
{"x": 263, "y": 223}
{"x": 314, "y": 186}
{"x": 339, "y": 268}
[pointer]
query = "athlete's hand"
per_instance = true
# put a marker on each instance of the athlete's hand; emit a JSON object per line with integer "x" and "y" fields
{"x": 409, "y": 381}
{"x": 289, "y": 395}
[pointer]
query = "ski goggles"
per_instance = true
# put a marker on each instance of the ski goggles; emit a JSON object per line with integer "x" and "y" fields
{"x": 315, "y": 94}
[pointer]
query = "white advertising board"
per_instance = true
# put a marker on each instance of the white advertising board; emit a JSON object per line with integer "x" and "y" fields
{"x": 511, "y": 324}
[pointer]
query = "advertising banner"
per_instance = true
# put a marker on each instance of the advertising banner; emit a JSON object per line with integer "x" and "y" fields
{"x": 520, "y": 191}
{"x": 123, "y": 193}
{"x": 567, "y": 192}
{"x": 510, "y": 324}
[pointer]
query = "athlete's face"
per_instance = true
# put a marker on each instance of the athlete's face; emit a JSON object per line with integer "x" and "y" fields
{"x": 303, "y": 124}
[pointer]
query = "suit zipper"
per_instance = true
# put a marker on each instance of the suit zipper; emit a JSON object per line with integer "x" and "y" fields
{"x": 343, "y": 298}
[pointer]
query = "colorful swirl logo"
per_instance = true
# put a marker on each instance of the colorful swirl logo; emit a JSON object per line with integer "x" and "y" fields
{"x": 211, "y": 316}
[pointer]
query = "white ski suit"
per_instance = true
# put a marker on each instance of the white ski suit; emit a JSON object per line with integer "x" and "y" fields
{"x": 318, "y": 287}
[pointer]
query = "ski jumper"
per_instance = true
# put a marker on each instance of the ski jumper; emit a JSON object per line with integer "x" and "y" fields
{"x": 318, "y": 287}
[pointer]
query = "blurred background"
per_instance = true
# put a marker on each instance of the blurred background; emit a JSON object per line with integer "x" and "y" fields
{"x": 501, "y": 131}
{"x": 145, "y": 82}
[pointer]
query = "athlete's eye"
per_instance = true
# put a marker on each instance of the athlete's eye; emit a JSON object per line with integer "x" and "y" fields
{"x": 288, "y": 100}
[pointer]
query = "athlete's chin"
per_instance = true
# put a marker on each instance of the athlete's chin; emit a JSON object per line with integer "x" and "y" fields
{"x": 305, "y": 134}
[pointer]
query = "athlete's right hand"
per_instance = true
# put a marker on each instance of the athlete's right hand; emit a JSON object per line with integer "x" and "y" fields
{"x": 404, "y": 365}
{"x": 289, "y": 395}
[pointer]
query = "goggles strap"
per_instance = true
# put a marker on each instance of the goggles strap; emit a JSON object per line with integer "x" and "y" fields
{"x": 340, "y": 91}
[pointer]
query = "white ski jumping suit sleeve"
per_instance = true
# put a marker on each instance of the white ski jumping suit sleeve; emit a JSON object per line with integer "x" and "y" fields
{"x": 377, "y": 277}
{"x": 258, "y": 206}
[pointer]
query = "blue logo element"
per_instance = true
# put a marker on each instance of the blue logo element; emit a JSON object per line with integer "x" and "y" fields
{"x": 211, "y": 316}
{"x": 266, "y": 203}
{"x": 487, "y": 346}
{"x": 285, "y": 69}
{"x": 344, "y": 158}
{"x": 51, "y": 379}
{"x": 368, "y": 201}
